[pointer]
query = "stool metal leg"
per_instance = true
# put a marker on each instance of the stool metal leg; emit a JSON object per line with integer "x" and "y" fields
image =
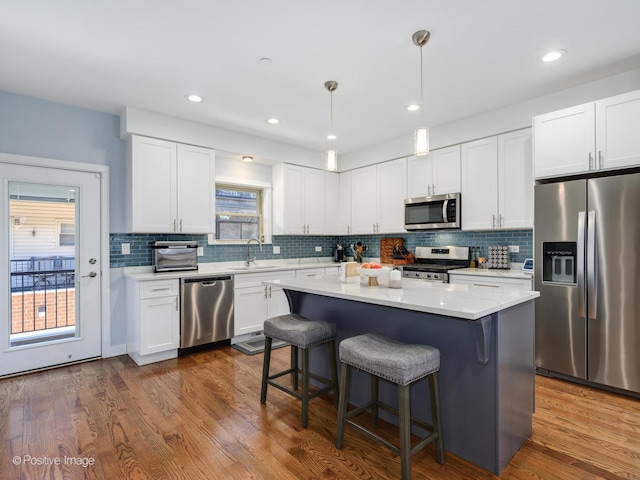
{"x": 404, "y": 422}
{"x": 436, "y": 420}
{"x": 305, "y": 387}
{"x": 374, "y": 399}
{"x": 345, "y": 375}
{"x": 265, "y": 368}
{"x": 334, "y": 371}
{"x": 294, "y": 366}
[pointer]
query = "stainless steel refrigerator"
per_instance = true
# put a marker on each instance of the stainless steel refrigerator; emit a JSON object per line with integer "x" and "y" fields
{"x": 587, "y": 270}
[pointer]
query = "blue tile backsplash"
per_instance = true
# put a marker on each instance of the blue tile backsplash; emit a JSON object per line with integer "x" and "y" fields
{"x": 303, "y": 246}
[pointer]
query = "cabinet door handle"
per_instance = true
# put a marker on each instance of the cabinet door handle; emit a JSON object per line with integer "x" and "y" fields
{"x": 269, "y": 291}
{"x": 485, "y": 285}
{"x": 177, "y": 307}
{"x": 429, "y": 190}
{"x": 493, "y": 221}
{"x": 174, "y": 225}
{"x": 433, "y": 189}
{"x": 265, "y": 292}
{"x": 180, "y": 225}
{"x": 160, "y": 289}
{"x": 348, "y": 229}
{"x": 600, "y": 158}
{"x": 590, "y": 161}
{"x": 501, "y": 223}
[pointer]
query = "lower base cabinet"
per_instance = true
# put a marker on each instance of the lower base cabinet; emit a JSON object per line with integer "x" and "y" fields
{"x": 153, "y": 320}
{"x": 254, "y": 302}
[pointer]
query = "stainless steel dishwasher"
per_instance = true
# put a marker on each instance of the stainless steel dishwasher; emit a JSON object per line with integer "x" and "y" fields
{"x": 206, "y": 315}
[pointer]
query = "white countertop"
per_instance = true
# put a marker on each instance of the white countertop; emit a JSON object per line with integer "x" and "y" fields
{"x": 146, "y": 273}
{"x": 490, "y": 272}
{"x": 461, "y": 301}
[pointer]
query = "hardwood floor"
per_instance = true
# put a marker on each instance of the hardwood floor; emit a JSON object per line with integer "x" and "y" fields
{"x": 199, "y": 417}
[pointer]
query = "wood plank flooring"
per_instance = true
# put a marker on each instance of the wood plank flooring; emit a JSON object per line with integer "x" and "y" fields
{"x": 199, "y": 417}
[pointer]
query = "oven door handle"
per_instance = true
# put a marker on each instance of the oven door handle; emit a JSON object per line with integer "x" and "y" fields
{"x": 444, "y": 210}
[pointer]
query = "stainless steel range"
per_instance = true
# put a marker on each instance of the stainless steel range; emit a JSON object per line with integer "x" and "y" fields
{"x": 433, "y": 263}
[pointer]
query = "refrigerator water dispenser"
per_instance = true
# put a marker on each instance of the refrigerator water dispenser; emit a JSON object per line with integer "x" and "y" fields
{"x": 559, "y": 262}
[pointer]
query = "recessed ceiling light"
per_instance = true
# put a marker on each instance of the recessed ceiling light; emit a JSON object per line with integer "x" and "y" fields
{"x": 247, "y": 159}
{"x": 413, "y": 107}
{"x": 553, "y": 55}
{"x": 273, "y": 121}
{"x": 331, "y": 136}
{"x": 192, "y": 97}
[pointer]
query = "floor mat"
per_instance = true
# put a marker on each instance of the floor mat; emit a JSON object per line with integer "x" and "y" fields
{"x": 256, "y": 345}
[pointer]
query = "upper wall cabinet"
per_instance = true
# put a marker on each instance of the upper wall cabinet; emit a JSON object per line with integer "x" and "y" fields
{"x": 594, "y": 136}
{"x": 434, "y": 174}
{"x": 377, "y": 197}
{"x": 170, "y": 187}
{"x": 299, "y": 195}
{"x": 344, "y": 206}
{"x": 497, "y": 182}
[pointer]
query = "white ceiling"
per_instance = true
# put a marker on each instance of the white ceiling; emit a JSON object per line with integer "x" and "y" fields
{"x": 483, "y": 55}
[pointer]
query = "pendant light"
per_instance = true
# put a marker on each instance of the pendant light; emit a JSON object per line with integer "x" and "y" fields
{"x": 332, "y": 154}
{"x": 421, "y": 138}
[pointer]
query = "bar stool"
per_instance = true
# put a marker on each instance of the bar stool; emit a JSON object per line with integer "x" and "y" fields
{"x": 301, "y": 333}
{"x": 399, "y": 363}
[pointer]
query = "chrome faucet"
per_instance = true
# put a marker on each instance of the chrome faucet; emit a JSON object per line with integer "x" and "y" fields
{"x": 249, "y": 257}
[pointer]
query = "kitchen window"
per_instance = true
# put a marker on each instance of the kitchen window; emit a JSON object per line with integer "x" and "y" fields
{"x": 239, "y": 215}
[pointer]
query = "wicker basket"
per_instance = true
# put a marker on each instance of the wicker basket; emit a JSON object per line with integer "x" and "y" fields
{"x": 386, "y": 248}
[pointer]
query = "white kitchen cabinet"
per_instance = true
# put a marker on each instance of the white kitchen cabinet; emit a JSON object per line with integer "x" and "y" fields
{"x": 254, "y": 302}
{"x": 594, "y": 136}
{"x": 299, "y": 205}
{"x": 333, "y": 220}
{"x": 497, "y": 182}
{"x": 344, "y": 206}
{"x": 479, "y": 201}
{"x": 491, "y": 281}
{"x": 170, "y": 187}
{"x": 434, "y": 174}
{"x": 515, "y": 180}
{"x": 153, "y": 320}
{"x": 310, "y": 272}
{"x": 332, "y": 270}
{"x": 377, "y": 197}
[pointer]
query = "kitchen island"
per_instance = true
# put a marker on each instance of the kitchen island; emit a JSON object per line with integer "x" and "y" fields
{"x": 486, "y": 342}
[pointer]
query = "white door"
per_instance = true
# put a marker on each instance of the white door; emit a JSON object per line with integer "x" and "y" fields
{"x": 617, "y": 131}
{"x": 446, "y": 170}
{"x": 314, "y": 201}
{"x": 515, "y": 180}
{"x": 50, "y": 278}
{"x": 392, "y": 191}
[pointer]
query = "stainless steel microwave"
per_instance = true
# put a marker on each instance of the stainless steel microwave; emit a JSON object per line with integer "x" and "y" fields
{"x": 437, "y": 212}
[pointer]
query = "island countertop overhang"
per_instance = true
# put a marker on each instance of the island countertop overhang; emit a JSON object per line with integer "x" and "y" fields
{"x": 454, "y": 300}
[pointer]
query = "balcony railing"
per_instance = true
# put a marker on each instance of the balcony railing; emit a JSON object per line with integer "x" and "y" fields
{"x": 43, "y": 294}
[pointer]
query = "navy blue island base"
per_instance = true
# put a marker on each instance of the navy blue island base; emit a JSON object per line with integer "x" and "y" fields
{"x": 487, "y": 376}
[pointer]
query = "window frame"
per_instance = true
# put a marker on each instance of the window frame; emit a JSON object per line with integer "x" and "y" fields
{"x": 266, "y": 202}
{"x": 59, "y": 232}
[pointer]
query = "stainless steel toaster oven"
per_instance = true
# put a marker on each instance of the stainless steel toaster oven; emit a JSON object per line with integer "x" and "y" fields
{"x": 171, "y": 256}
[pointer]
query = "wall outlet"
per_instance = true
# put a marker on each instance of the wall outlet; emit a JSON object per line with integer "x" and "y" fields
{"x": 318, "y": 249}
{"x": 201, "y": 251}
{"x": 276, "y": 249}
{"x": 126, "y": 248}
{"x": 514, "y": 248}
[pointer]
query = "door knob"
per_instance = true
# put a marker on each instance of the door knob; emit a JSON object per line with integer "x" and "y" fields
{"x": 91, "y": 275}
{"x": 92, "y": 261}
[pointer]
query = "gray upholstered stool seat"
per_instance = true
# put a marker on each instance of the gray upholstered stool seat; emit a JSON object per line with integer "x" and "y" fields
{"x": 399, "y": 363}
{"x": 303, "y": 334}
{"x": 299, "y": 331}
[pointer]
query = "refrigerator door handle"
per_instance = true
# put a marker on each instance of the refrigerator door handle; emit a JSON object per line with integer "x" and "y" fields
{"x": 580, "y": 265}
{"x": 591, "y": 264}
